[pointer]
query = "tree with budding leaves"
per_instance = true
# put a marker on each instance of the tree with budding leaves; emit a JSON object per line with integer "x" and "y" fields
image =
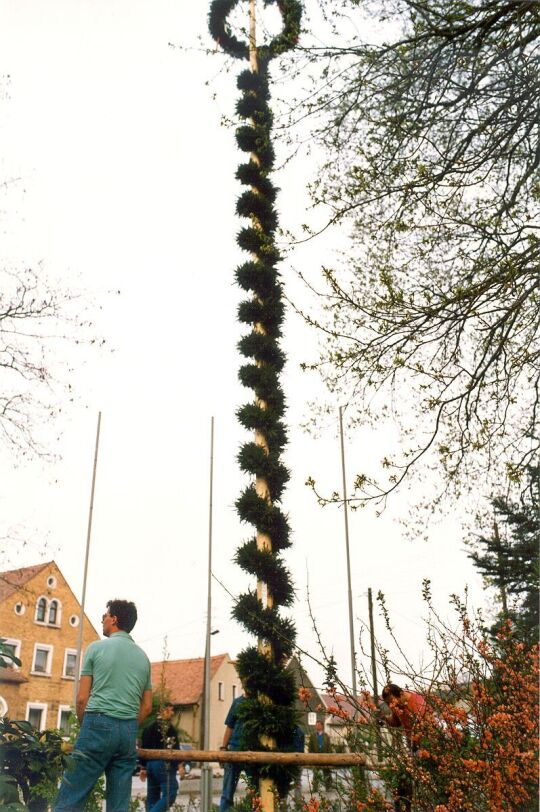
{"x": 430, "y": 119}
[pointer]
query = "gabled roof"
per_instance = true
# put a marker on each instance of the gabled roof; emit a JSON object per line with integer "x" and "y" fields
{"x": 341, "y": 708}
{"x": 184, "y": 678}
{"x": 12, "y": 580}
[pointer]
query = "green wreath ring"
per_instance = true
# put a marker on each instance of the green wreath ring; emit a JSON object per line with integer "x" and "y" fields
{"x": 291, "y": 12}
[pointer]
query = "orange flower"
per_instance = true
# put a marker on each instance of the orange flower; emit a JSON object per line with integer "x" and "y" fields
{"x": 304, "y": 695}
{"x": 339, "y": 712}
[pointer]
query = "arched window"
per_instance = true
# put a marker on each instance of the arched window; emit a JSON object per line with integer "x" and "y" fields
{"x": 53, "y": 613}
{"x": 41, "y": 610}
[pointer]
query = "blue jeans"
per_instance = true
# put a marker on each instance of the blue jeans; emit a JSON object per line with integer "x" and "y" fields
{"x": 104, "y": 744}
{"x": 162, "y": 785}
{"x": 231, "y": 774}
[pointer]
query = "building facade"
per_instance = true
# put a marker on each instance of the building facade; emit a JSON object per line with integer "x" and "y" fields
{"x": 39, "y": 622}
{"x": 181, "y": 682}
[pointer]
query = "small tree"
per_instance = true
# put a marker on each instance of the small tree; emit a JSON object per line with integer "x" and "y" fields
{"x": 32, "y": 763}
{"x": 509, "y": 557}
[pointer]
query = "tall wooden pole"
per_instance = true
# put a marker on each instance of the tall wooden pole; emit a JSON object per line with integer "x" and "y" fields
{"x": 349, "y": 588}
{"x": 267, "y": 791}
{"x": 264, "y": 541}
{"x": 85, "y": 574}
{"x": 206, "y": 771}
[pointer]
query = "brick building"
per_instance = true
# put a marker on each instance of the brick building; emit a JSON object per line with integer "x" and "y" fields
{"x": 39, "y": 619}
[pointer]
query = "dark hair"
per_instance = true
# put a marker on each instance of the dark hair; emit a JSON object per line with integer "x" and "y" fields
{"x": 125, "y": 612}
{"x": 392, "y": 689}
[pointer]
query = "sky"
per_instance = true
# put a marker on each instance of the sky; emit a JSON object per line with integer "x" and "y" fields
{"x": 121, "y": 188}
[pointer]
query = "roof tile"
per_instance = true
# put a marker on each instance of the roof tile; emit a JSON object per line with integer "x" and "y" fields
{"x": 12, "y": 580}
{"x": 184, "y": 678}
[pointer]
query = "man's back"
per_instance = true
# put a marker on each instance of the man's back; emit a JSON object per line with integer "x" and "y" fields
{"x": 235, "y": 723}
{"x": 115, "y": 694}
{"x": 120, "y": 672}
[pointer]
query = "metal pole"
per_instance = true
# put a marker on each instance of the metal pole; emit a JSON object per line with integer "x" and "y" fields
{"x": 206, "y": 770}
{"x": 372, "y": 642}
{"x": 349, "y": 589}
{"x": 374, "y": 668}
{"x": 85, "y": 574}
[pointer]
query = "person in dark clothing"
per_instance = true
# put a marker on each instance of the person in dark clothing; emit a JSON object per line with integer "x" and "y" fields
{"x": 319, "y": 742}
{"x": 231, "y": 741}
{"x": 298, "y": 745}
{"x": 161, "y": 775}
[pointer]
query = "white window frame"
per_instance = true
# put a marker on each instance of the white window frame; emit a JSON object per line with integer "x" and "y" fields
{"x": 66, "y": 652}
{"x": 50, "y": 649}
{"x": 42, "y": 706}
{"x": 17, "y": 643}
{"x": 41, "y": 622}
{"x": 56, "y": 624}
{"x": 62, "y": 709}
{"x": 220, "y": 691}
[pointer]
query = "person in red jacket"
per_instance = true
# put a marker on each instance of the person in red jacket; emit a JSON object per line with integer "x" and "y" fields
{"x": 405, "y": 709}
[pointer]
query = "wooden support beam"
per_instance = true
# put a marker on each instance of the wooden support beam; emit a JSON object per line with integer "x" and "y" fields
{"x": 264, "y": 757}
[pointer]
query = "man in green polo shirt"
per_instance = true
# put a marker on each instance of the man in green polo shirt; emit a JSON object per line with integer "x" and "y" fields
{"x": 115, "y": 695}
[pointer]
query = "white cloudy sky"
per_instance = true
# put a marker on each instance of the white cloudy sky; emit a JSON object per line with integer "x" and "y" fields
{"x": 124, "y": 181}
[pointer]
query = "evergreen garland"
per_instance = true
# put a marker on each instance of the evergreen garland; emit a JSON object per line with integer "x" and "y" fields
{"x": 269, "y": 710}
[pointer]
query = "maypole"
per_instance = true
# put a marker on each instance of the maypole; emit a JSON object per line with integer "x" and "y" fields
{"x": 268, "y": 712}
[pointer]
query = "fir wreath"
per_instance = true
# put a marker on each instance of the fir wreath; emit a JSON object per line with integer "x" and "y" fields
{"x": 269, "y": 709}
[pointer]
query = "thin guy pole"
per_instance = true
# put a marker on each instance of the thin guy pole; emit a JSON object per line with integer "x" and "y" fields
{"x": 349, "y": 589}
{"x": 206, "y": 772}
{"x": 372, "y": 643}
{"x": 85, "y": 574}
{"x": 374, "y": 667}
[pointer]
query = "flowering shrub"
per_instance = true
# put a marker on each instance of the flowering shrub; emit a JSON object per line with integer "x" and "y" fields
{"x": 474, "y": 745}
{"x": 477, "y": 747}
